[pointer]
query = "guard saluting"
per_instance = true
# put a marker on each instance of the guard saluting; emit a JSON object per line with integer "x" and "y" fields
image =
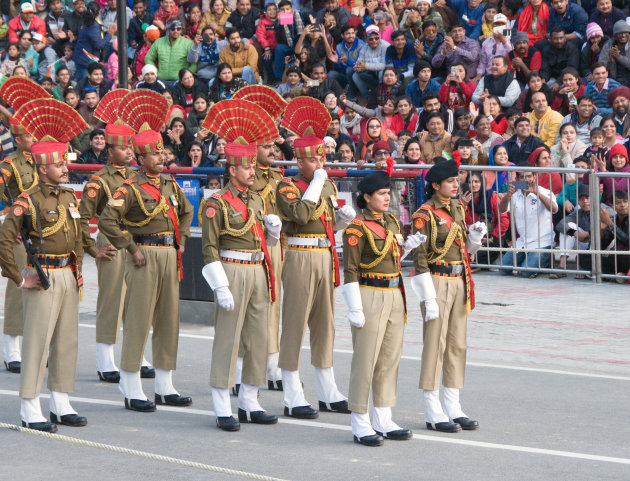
{"x": 157, "y": 215}
{"x": 444, "y": 283}
{"x": 50, "y": 315}
{"x": 373, "y": 291}
{"x": 308, "y": 204}
{"x": 235, "y": 235}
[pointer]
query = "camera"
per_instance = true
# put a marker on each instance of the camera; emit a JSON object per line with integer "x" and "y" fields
{"x": 333, "y": 157}
{"x": 312, "y": 83}
{"x": 316, "y": 29}
{"x": 206, "y": 38}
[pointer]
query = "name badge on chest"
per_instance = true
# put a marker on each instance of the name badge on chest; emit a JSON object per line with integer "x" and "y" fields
{"x": 400, "y": 239}
{"x": 74, "y": 212}
{"x": 174, "y": 201}
{"x": 333, "y": 200}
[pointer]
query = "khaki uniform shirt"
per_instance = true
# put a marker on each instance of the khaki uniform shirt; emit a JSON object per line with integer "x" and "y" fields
{"x": 151, "y": 215}
{"x": 359, "y": 255}
{"x": 297, "y": 214}
{"x": 58, "y": 212}
{"x": 266, "y": 184}
{"x": 96, "y": 194}
{"x": 20, "y": 173}
{"x": 223, "y": 227}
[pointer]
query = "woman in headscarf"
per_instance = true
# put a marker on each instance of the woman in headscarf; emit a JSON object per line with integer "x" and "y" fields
{"x": 373, "y": 130}
{"x": 617, "y": 162}
{"x": 549, "y": 180}
{"x": 533, "y": 20}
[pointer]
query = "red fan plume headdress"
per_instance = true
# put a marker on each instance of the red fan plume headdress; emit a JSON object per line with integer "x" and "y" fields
{"x": 241, "y": 122}
{"x": 107, "y": 109}
{"x": 16, "y": 91}
{"x": 50, "y": 120}
{"x": 265, "y": 97}
{"x": 306, "y": 115}
{"x": 143, "y": 110}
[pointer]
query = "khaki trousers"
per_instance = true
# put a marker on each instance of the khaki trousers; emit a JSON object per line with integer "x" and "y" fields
{"x": 13, "y": 314}
{"x": 275, "y": 253}
{"x": 444, "y": 351}
{"x": 51, "y": 325}
{"x": 307, "y": 280}
{"x": 247, "y": 324}
{"x": 153, "y": 301}
{"x": 111, "y": 294}
{"x": 377, "y": 349}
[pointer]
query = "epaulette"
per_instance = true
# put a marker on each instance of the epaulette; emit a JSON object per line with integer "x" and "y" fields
{"x": 128, "y": 182}
{"x": 93, "y": 184}
{"x": 422, "y": 215}
{"x": 24, "y": 194}
{"x": 290, "y": 188}
{"x": 287, "y": 180}
{"x": 8, "y": 160}
{"x": 95, "y": 177}
{"x": 353, "y": 231}
{"x": 20, "y": 203}
{"x": 357, "y": 221}
{"x": 425, "y": 207}
{"x": 120, "y": 191}
{"x": 7, "y": 173}
{"x": 215, "y": 195}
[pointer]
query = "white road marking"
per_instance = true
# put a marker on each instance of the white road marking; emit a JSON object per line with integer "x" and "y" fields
{"x": 340, "y": 427}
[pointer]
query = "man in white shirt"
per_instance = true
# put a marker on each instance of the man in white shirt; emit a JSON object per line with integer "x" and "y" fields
{"x": 532, "y": 211}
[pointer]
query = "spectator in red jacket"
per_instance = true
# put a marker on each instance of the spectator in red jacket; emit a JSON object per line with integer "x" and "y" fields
{"x": 26, "y": 20}
{"x": 266, "y": 35}
{"x": 523, "y": 59}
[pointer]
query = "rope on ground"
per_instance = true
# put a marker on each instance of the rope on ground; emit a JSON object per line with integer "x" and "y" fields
{"x": 142, "y": 454}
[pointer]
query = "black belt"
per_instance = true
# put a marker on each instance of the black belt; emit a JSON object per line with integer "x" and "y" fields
{"x": 385, "y": 283}
{"x": 447, "y": 269}
{"x": 54, "y": 262}
{"x": 155, "y": 239}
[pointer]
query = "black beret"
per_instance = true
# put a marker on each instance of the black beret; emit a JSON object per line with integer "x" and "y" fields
{"x": 373, "y": 182}
{"x": 442, "y": 170}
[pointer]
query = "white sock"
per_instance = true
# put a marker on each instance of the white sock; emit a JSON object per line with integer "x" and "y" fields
{"x": 450, "y": 401}
{"x": 361, "y": 426}
{"x": 248, "y": 398}
{"x": 105, "y": 358}
{"x": 221, "y": 402}
{"x": 382, "y": 420}
{"x": 273, "y": 371}
{"x": 31, "y": 411}
{"x": 238, "y": 372}
{"x": 130, "y": 385}
{"x": 326, "y": 387}
{"x": 293, "y": 394}
{"x": 432, "y": 408}
{"x": 11, "y": 349}
{"x": 60, "y": 403}
{"x": 164, "y": 382}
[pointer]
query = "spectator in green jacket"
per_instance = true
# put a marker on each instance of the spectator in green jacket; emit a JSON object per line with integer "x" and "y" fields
{"x": 169, "y": 53}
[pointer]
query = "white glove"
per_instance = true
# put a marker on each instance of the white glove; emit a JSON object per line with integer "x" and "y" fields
{"x": 476, "y": 233}
{"x": 215, "y": 276}
{"x": 422, "y": 285}
{"x": 345, "y": 215}
{"x": 273, "y": 224}
{"x": 315, "y": 187}
{"x": 413, "y": 241}
{"x": 352, "y": 297}
{"x": 224, "y": 298}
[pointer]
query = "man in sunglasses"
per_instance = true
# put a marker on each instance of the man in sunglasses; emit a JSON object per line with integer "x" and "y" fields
{"x": 170, "y": 54}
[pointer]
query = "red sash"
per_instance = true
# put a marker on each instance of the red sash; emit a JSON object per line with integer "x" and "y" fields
{"x": 238, "y": 205}
{"x": 330, "y": 233}
{"x": 470, "y": 284}
{"x": 154, "y": 192}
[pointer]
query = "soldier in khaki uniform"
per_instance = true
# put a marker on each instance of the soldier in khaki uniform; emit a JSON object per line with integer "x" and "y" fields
{"x": 20, "y": 173}
{"x": 238, "y": 269}
{"x": 373, "y": 291}
{"x": 110, "y": 263}
{"x": 308, "y": 206}
{"x": 443, "y": 282}
{"x": 50, "y": 316}
{"x": 157, "y": 215}
{"x": 266, "y": 184}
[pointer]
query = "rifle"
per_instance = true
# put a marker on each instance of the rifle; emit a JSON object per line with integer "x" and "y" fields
{"x": 31, "y": 250}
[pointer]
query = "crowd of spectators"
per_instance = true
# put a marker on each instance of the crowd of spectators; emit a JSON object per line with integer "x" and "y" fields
{"x": 540, "y": 83}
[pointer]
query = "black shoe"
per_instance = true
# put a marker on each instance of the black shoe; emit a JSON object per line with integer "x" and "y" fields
{"x": 444, "y": 427}
{"x": 139, "y": 405}
{"x": 173, "y": 400}
{"x": 109, "y": 376}
{"x": 256, "y": 417}
{"x": 46, "y": 427}
{"x": 228, "y": 423}
{"x": 147, "y": 372}
{"x": 68, "y": 419}
{"x": 337, "y": 407}
{"x": 274, "y": 385}
{"x": 397, "y": 435}
{"x": 301, "y": 412}
{"x": 14, "y": 367}
{"x": 467, "y": 423}
{"x": 235, "y": 389}
{"x": 373, "y": 440}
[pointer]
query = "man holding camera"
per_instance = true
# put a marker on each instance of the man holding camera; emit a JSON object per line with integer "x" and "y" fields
{"x": 370, "y": 63}
{"x": 205, "y": 53}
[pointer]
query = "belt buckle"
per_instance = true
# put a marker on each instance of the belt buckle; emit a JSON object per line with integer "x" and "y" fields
{"x": 323, "y": 242}
{"x": 257, "y": 256}
{"x": 458, "y": 269}
{"x": 393, "y": 282}
{"x": 168, "y": 239}
{"x": 63, "y": 262}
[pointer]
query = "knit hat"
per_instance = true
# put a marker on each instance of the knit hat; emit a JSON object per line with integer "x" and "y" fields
{"x": 148, "y": 68}
{"x": 381, "y": 145}
{"x": 329, "y": 140}
{"x": 621, "y": 91}
{"x": 153, "y": 33}
{"x": 618, "y": 149}
{"x": 519, "y": 37}
{"x": 593, "y": 30}
{"x": 621, "y": 26}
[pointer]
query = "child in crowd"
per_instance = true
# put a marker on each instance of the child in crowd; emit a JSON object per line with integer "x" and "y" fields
{"x": 12, "y": 60}
{"x": 597, "y": 144}
{"x": 488, "y": 19}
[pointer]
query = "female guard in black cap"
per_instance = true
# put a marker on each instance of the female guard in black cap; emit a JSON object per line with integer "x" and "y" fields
{"x": 372, "y": 249}
{"x": 444, "y": 284}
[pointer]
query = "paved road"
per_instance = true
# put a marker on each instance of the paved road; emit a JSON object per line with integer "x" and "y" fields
{"x": 548, "y": 378}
